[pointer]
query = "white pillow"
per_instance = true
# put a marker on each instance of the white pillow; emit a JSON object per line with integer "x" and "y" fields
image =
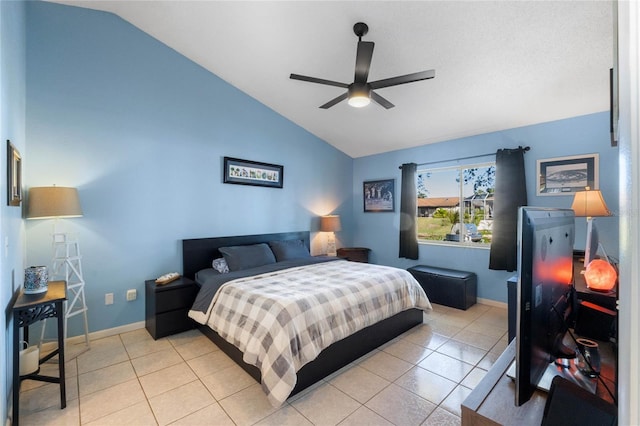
{"x": 220, "y": 265}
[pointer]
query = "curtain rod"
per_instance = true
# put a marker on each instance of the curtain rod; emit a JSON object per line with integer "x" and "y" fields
{"x": 525, "y": 149}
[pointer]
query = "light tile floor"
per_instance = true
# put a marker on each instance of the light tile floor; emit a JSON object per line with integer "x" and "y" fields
{"x": 419, "y": 378}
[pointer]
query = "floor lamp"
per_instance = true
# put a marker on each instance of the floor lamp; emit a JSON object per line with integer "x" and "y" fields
{"x": 55, "y": 202}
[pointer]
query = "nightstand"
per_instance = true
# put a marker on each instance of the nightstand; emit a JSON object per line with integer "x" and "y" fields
{"x": 354, "y": 254}
{"x": 166, "y": 306}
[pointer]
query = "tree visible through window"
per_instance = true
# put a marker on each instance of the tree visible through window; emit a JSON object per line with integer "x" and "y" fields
{"x": 456, "y": 203}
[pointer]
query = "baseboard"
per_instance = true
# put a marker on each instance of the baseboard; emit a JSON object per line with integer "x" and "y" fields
{"x": 100, "y": 334}
{"x": 78, "y": 340}
{"x": 493, "y": 303}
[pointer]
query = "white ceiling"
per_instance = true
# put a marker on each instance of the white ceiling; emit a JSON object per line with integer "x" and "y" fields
{"x": 499, "y": 64}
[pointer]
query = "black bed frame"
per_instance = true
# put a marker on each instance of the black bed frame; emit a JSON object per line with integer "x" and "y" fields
{"x": 198, "y": 253}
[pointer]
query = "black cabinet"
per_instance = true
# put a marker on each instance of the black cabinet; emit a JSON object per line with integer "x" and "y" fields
{"x": 448, "y": 287}
{"x": 167, "y": 306}
{"x": 354, "y": 254}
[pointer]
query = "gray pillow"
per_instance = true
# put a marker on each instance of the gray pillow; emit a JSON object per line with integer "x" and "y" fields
{"x": 289, "y": 249}
{"x": 246, "y": 257}
{"x": 204, "y": 274}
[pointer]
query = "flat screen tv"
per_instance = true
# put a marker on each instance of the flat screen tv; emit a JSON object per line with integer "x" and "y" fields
{"x": 545, "y": 293}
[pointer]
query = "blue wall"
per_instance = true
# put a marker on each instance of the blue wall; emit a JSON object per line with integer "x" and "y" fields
{"x": 141, "y": 132}
{"x": 580, "y": 135}
{"x": 12, "y": 127}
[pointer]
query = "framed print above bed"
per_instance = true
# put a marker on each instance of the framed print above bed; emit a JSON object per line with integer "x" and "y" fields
{"x": 566, "y": 175}
{"x": 245, "y": 172}
{"x": 379, "y": 195}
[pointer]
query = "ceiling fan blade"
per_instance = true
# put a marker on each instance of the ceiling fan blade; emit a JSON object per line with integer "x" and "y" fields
{"x": 363, "y": 61}
{"x": 403, "y": 79}
{"x": 381, "y": 101}
{"x": 334, "y": 101}
{"x": 318, "y": 80}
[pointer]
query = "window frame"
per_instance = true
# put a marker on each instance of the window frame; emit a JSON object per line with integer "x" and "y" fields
{"x": 460, "y": 168}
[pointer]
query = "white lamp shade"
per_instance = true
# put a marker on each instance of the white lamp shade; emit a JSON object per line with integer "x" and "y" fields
{"x": 53, "y": 201}
{"x": 330, "y": 223}
{"x": 589, "y": 204}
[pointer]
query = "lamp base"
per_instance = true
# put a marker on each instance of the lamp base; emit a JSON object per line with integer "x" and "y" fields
{"x": 331, "y": 244}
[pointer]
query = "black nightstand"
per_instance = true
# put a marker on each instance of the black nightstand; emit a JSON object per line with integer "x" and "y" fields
{"x": 167, "y": 306}
{"x": 355, "y": 254}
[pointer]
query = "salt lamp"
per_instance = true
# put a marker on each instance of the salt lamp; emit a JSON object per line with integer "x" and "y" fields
{"x": 600, "y": 275}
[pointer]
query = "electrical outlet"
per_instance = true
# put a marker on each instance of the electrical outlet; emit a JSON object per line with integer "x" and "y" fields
{"x": 108, "y": 299}
{"x": 132, "y": 294}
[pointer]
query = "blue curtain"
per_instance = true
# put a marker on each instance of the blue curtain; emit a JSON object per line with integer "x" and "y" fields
{"x": 510, "y": 193}
{"x": 408, "y": 212}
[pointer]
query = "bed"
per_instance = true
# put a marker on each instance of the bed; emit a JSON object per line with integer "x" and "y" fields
{"x": 197, "y": 258}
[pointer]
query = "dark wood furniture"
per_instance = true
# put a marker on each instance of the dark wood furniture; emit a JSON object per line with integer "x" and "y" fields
{"x": 167, "y": 306}
{"x": 336, "y": 355}
{"x": 197, "y": 254}
{"x": 492, "y": 401}
{"x": 607, "y": 300}
{"x": 29, "y": 309}
{"x": 448, "y": 287}
{"x": 354, "y": 254}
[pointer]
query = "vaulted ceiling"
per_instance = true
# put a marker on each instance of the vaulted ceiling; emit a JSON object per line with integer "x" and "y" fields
{"x": 499, "y": 64}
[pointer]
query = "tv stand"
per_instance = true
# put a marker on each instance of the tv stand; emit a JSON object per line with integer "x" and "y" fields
{"x": 493, "y": 399}
{"x": 569, "y": 372}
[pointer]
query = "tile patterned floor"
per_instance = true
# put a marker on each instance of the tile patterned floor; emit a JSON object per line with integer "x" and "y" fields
{"x": 420, "y": 378}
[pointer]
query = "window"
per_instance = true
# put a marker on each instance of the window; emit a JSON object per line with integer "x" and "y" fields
{"x": 455, "y": 204}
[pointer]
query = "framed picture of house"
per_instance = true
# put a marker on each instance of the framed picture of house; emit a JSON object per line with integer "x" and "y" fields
{"x": 379, "y": 195}
{"x": 245, "y": 172}
{"x": 566, "y": 175}
{"x": 14, "y": 175}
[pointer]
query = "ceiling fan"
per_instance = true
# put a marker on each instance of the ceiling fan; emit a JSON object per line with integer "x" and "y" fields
{"x": 360, "y": 92}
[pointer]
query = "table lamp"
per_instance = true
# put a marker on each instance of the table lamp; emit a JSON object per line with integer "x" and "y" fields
{"x": 590, "y": 204}
{"x": 330, "y": 224}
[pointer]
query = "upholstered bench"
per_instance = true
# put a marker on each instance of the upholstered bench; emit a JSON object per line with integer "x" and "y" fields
{"x": 448, "y": 287}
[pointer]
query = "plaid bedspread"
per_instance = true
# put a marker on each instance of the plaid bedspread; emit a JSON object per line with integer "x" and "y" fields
{"x": 282, "y": 320}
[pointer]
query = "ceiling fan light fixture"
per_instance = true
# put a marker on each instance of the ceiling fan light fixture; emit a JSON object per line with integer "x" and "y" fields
{"x": 359, "y": 96}
{"x": 359, "y": 101}
{"x": 360, "y": 93}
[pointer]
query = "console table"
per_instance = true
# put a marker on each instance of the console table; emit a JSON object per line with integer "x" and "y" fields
{"x": 492, "y": 402}
{"x": 605, "y": 299}
{"x": 29, "y": 309}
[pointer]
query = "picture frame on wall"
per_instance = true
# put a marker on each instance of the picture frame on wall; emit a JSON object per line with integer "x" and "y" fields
{"x": 379, "y": 195}
{"x": 567, "y": 175}
{"x": 246, "y": 172}
{"x": 14, "y": 175}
